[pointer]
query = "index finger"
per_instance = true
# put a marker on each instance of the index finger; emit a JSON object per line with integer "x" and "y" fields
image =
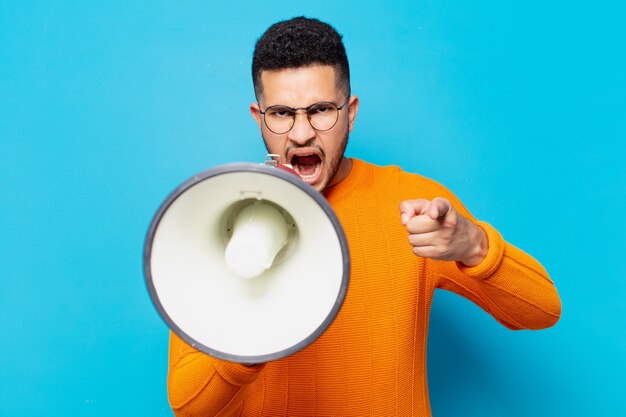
{"x": 439, "y": 207}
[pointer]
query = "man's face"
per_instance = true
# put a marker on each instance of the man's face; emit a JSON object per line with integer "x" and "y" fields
{"x": 316, "y": 155}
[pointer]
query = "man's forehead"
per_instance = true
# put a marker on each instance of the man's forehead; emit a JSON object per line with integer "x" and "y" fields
{"x": 314, "y": 82}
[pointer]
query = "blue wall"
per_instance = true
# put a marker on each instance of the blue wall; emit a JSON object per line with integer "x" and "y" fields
{"x": 518, "y": 107}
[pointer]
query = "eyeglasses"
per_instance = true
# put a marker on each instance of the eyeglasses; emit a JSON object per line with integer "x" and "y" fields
{"x": 322, "y": 116}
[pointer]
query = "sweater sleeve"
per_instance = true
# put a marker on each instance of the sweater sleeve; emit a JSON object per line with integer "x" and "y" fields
{"x": 200, "y": 385}
{"x": 509, "y": 284}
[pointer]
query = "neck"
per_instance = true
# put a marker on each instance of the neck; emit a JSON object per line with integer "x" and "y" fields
{"x": 344, "y": 169}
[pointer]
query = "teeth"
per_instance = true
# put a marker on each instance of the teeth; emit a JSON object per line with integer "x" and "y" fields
{"x": 310, "y": 176}
{"x": 295, "y": 155}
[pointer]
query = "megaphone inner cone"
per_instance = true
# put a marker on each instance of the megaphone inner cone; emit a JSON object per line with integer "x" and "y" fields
{"x": 258, "y": 234}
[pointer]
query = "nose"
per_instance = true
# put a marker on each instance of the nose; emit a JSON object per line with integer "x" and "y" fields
{"x": 302, "y": 131}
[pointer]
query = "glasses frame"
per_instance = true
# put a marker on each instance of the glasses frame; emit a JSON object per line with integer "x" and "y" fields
{"x": 308, "y": 116}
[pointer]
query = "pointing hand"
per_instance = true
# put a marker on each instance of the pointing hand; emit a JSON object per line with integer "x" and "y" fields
{"x": 438, "y": 231}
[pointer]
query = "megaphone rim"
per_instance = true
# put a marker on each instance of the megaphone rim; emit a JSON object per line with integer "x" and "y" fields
{"x": 261, "y": 169}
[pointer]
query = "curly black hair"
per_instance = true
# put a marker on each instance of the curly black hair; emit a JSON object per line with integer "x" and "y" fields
{"x": 300, "y": 42}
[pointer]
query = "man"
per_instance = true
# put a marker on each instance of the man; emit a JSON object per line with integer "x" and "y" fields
{"x": 407, "y": 235}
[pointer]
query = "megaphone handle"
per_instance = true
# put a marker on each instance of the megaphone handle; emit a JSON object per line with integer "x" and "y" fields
{"x": 273, "y": 160}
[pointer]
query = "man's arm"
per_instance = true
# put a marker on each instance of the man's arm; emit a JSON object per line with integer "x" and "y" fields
{"x": 503, "y": 280}
{"x": 199, "y": 385}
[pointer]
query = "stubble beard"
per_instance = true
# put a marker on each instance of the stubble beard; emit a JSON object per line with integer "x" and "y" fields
{"x": 333, "y": 164}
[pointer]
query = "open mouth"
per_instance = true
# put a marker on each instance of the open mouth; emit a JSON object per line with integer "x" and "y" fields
{"x": 308, "y": 166}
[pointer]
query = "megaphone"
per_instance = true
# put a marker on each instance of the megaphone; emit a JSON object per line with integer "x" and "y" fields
{"x": 246, "y": 262}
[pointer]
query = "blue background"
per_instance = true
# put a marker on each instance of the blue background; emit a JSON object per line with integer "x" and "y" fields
{"x": 518, "y": 107}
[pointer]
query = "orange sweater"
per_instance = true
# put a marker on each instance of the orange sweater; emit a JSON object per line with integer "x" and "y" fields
{"x": 371, "y": 361}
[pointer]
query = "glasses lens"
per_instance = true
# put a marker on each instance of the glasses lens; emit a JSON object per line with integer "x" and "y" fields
{"x": 323, "y": 116}
{"x": 279, "y": 119}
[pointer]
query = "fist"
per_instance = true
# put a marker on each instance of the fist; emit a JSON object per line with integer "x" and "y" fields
{"x": 436, "y": 230}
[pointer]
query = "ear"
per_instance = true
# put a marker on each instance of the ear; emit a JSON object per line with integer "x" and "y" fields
{"x": 353, "y": 109}
{"x": 255, "y": 111}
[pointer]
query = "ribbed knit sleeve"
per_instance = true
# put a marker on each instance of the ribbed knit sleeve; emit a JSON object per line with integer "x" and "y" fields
{"x": 509, "y": 284}
{"x": 199, "y": 385}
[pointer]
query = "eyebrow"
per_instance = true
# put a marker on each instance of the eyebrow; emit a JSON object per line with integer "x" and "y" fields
{"x": 303, "y": 107}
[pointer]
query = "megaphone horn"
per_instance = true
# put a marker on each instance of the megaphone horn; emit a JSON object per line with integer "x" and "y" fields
{"x": 246, "y": 262}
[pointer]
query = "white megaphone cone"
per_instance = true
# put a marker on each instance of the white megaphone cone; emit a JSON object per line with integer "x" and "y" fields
{"x": 241, "y": 221}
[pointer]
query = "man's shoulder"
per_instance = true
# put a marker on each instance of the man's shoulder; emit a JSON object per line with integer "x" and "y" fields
{"x": 396, "y": 175}
{"x": 393, "y": 183}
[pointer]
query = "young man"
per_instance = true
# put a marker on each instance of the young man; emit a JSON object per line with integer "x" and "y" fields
{"x": 407, "y": 235}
